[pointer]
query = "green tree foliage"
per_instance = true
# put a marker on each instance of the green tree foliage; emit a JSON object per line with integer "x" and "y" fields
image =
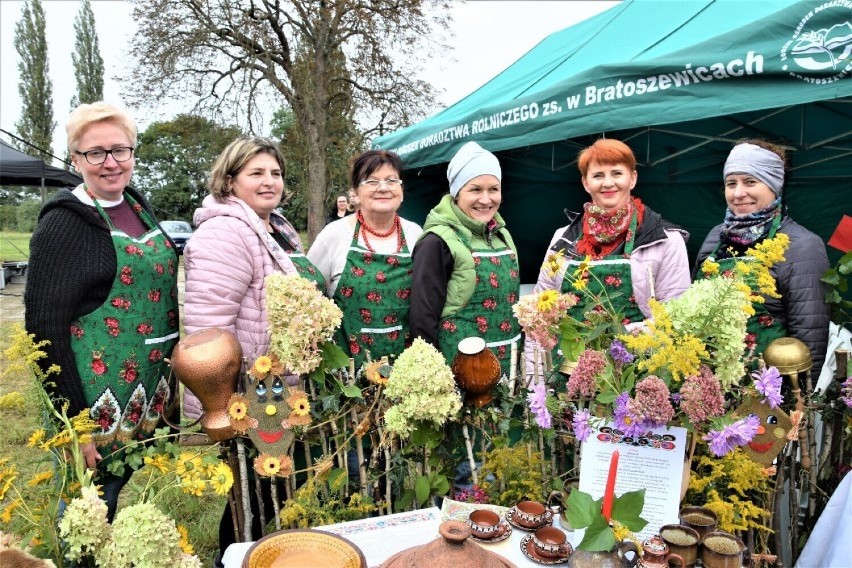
{"x": 27, "y": 215}
{"x": 34, "y": 87}
{"x": 229, "y": 55}
{"x": 174, "y": 159}
{"x": 86, "y": 57}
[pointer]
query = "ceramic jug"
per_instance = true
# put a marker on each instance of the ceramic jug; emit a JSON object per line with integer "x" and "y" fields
{"x": 615, "y": 558}
{"x": 655, "y": 554}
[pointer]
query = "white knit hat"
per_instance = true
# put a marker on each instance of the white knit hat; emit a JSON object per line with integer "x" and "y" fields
{"x": 470, "y": 161}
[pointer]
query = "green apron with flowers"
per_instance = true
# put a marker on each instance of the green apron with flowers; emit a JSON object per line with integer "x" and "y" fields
{"x": 373, "y": 293}
{"x": 488, "y": 311}
{"x": 307, "y": 270}
{"x": 121, "y": 347}
{"x": 610, "y": 280}
{"x": 761, "y": 328}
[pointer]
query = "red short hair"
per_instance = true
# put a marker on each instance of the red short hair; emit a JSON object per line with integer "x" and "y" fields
{"x": 606, "y": 151}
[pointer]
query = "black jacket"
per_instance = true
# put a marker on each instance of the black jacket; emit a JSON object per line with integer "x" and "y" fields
{"x": 802, "y": 306}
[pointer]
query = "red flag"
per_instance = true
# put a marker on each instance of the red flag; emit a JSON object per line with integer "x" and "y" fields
{"x": 842, "y": 237}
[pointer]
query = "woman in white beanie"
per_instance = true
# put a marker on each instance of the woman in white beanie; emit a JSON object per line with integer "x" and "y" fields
{"x": 754, "y": 183}
{"x": 466, "y": 277}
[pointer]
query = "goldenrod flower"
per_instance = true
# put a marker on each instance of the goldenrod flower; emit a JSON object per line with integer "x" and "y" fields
{"x": 83, "y": 423}
{"x": 188, "y": 465}
{"x": 39, "y": 478}
{"x": 710, "y": 268}
{"x": 184, "y": 543}
{"x": 61, "y": 439}
{"x": 36, "y": 438}
{"x": 262, "y": 366}
{"x": 221, "y": 478}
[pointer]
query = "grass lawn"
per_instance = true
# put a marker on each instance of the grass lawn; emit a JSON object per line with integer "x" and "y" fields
{"x": 21, "y": 416}
{"x": 14, "y": 246}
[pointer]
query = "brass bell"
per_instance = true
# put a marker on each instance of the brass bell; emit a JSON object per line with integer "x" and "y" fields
{"x": 789, "y": 355}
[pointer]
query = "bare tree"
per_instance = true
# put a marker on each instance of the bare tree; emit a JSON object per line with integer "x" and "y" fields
{"x": 228, "y": 54}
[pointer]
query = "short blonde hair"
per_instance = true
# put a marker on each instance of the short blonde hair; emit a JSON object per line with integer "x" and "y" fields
{"x": 234, "y": 158}
{"x": 86, "y": 115}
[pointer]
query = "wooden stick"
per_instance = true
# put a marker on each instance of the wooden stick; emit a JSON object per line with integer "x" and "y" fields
{"x": 473, "y": 472}
{"x": 388, "y": 482}
{"x": 241, "y": 456}
{"x": 258, "y": 493}
{"x": 513, "y": 368}
{"x": 776, "y": 516}
{"x": 276, "y": 506}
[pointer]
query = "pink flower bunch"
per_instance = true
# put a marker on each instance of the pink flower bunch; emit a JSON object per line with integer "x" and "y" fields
{"x": 540, "y": 315}
{"x": 701, "y": 397}
{"x": 582, "y": 380}
{"x": 475, "y": 494}
{"x": 652, "y": 404}
{"x": 846, "y": 392}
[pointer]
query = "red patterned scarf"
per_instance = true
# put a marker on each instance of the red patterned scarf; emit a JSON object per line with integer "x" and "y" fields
{"x": 604, "y": 230}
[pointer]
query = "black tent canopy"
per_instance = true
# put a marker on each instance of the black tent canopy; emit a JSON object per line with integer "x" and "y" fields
{"x": 17, "y": 168}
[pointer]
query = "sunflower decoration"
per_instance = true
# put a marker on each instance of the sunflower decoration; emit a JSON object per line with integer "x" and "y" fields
{"x": 300, "y": 408}
{"x": 238, "y": 415}
{"x": 267, "y": 465}
{"x": 377, "y": 372}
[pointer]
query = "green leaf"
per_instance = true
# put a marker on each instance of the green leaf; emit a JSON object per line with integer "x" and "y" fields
{"x": 582, "y": 509}
{"x": 598, "y": 537}
{"x": 426, "y": 435}
{"x": 404, "y": 500}
{"x": 421, "y": 489}
{"x": 830, "y": 277}
{"x": 350, "y": 391}
{"x": 572, "y": 348}
{"x": 337, "y": 479}
{"x": 628, "y": 508}
{"x": 440, "y": 485}
{"x": 333, "y": 357}
{"x": 606, "y": 397}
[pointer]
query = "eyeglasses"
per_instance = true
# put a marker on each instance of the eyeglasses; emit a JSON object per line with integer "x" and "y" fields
{"x": 98, "y": 157}
{"x": 375, "y": 184}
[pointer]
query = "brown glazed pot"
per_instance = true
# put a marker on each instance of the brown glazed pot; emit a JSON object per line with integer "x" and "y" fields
{"x": 677, "y": 542}
{"x": 451, "y": 550}
{"x": 208, "y": 363}
{"x": 476, "y": 370}
{"x": 713, "y": 555}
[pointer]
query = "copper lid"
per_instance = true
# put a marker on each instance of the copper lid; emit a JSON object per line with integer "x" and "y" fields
{"x": 788, "y": 355}
{"x": 451, "y": 550}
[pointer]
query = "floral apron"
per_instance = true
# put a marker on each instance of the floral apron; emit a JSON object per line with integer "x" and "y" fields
{"x": 307, "y": 270}
{"x": 488, "y": 312}
{"x": 121, "y": 347}
{"x": 761, "y": 328}
{"x": 373, "y": 294}
{"x": 609, "y": 279}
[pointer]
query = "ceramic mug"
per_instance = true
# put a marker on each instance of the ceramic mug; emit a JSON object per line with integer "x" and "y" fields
{"x": 485, "y": 524}
{"x": 532, "y": 513}
{"x": 683, "y": 541}
{"x": 701, "y": 519}
{"x": 722, "y": 550}
{"x": 550, "y": 542}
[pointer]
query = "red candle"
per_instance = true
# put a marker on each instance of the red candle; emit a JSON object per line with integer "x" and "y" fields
{"x": 609, "y": 492}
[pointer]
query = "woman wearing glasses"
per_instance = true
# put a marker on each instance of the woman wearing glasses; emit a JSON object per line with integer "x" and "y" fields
{"x": 465, "y": 264}
{"x": 366, "y": 260}
{"x": 102, "y": 289}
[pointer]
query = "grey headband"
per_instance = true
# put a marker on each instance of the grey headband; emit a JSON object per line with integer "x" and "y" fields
{"x": 766, "y": 166}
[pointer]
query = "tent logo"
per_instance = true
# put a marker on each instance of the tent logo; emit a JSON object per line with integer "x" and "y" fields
{"x": 821, "y": 43}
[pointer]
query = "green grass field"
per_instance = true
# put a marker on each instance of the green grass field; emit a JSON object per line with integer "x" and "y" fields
{"x": 14, "y": 246}
{"x": 200, "y": 515}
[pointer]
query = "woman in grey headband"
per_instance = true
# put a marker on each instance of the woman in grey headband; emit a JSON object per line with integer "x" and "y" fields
{"x": 754, "y": 184}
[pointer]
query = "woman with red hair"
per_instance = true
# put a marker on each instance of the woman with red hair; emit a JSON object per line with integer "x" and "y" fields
{"x": 629, "y": 253}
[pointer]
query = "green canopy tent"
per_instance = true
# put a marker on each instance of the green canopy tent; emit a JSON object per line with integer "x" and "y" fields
{"x": 679, "y": 81}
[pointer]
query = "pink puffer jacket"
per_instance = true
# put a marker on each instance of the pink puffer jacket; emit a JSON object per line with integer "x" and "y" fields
{"x": 226, "y": 261}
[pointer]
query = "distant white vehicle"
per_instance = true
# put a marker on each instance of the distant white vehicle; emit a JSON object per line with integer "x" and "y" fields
{"x": 178, "y": 231}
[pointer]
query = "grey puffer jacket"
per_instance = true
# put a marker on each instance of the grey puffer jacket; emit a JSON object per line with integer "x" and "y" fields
{"x": 801, "y": 307}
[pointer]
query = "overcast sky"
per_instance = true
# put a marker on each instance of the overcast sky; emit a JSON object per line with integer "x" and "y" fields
{"x": 489, "y": 36}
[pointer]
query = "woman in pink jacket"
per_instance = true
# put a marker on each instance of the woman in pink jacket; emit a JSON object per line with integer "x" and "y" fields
{"x": 240, "y": 239}
{"x": 631, "y": 248}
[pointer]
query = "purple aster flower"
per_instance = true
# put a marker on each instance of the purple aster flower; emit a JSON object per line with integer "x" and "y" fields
{"x": 537, "y": 398}
{"x": 768, "y": 383}
{"x": 582, "y": 429}
{"x": 620, "y": 354}
{"x": 846, "y": 392}
{"x": 625, "y": 419}
{"x": 729, "y": 437}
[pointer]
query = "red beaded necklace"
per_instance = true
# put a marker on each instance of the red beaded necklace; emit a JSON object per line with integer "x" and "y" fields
{"x": 365, "y": 228}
